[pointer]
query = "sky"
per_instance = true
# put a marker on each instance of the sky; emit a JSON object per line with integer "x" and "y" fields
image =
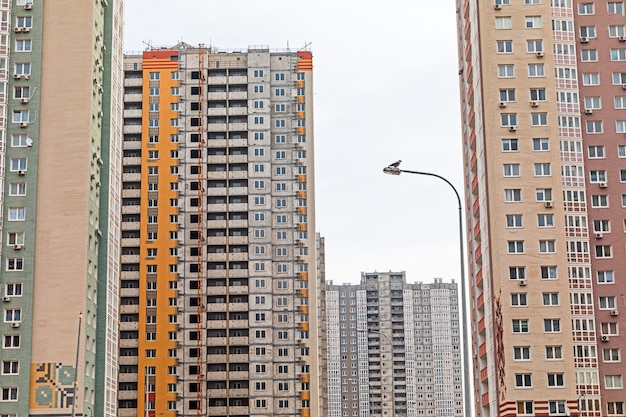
{"x": 385, "y": 88}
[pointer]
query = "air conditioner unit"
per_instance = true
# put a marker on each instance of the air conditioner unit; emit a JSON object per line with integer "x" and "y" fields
{"x": 497, "y": 6}
{"x": 15, "y": 324}
{"x": 622, "y": 38}
{"x": 534, "y": 104}
{"x": 584, "y": 39}
{"x": 512, "y": 128}
{"x": 522, "y": 282}
{"x": 17, "y": 29}
{"x": 605, "y": 338}
{"x": 588, "y": 111}
{"x": 603, "y": 185}
{"x": 623, "y": 86}
{"x": 6, "y": 298}
{"x": 502, "y": 104}
{"x": 21, "y": 173}
{"x": 614, "y": 312}
{"x": 24, "y": 100}
{"x": 17, "y": 76}
{"x": 598, "y": 235}
{"x": 23, "y": 124}
{"x": 28, "y": 6}
{"x": 540, "y": 54}
{"x": 25, "y": 29}
{"x": 548, "y": 204}
{"x": 17, "y": 247}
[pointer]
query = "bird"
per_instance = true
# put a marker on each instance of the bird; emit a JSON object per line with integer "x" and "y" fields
{"x": 396, "y": 164}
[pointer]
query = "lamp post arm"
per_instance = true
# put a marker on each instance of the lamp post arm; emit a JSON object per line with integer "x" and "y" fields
{"x": 430, "y": 174}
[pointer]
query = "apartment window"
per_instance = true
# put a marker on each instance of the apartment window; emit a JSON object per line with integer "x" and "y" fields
{"x": 547, "y": 246}
{"x": 20, "y": 116}
{"x": 519, "y": 300}
{"x": 17, "y": 214}
{"x": 279, "y": 92}
{"x": 509, "y": 145}
{"x": 556, "y": 407}
{"x": 534, "y": 45}
{"x": 515, "y": 246}
{"x": 22, "y": 68}
{"x": 620, "y": 126}
{"x": 613, "y": 382}
{"x": 280, "y": 76}
{"x": 504, "y": 22}
{"x": 618, "y": 54}
{"x": 542, "y": 170}
{"x": 9, "y": 394}
{"x": 617, "y": 31}
{"x": 10, "y": 367}
{"x": 585, "y": 8}
{"x": 595, "y": 151}
{"x": 525, "y": 408}
{"x": 619, "y": 78}
{"x": 551, "y": 325}
{"x": 606, "y": 302}
{"x": 538, "y": 94}
{"x": 258, "y": 89}
{"x": 587, "y": 31}
{"x": 12, "y": 315}
{"x": 17, "y": 189}
{"x": 554, "y": 352}
{"x": 615, "y": 408}
{"x": 517, "y": 272}
{"x": 532, "y": 22}
{"x": 504, "y": 47}
{"x": 609, "y": 329}
{"x": 591, "y": 78}
{"x": 508, "y": 119}
{"x": 511, "y": 170}
{"x": 601, "y": 226}
{"x": 615, "y": 7}
{"x": 23, "y": 45}
{"x": 506, "y": 71}
{"x": 539, "y": 119}
{"x": 589, "y": 55}
{"x": 611, "y": 355}
{"x": 605, "y": 277}
{"x": 11, "y": 341}
{"x": 621, "y": 151}
{"x": 596, "y": 176}
{"x": 15, "y": 238}
{"x": 520, "y": 326}
{"x": 513, "y": 195}
{"x": 541, "y": 144}
{"x": 545, "y": 220}
{"x": 523, "y": 381}
{"x": 507, "y": 94}
{"x": 536, "y": 70}
{"x": 550, "y": 298}
{"x": 521, "y": 353}
{"x": 603, "y": 251}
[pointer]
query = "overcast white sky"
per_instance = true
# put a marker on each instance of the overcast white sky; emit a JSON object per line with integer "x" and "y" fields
{"x": 386, "y": 88}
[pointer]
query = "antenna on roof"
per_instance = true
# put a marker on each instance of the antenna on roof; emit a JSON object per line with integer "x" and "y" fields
{"x": 148, "y": 45}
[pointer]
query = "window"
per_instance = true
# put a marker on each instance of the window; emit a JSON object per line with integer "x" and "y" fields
{"x": 12, "y": 315}
{"x": 618, "y": 54}
{"x": 513, "y": 195}
{"x": 517, "y": 272}
{"x": 511, "y": 170}
{"x": 504, "y": 47}
{"x": 619, "y": 102}
{"x": 279, "y": 92}
{"x": 504, "y": 22}
{"x": 515, "y": 246}
{"x": 508, "y": 119}
{"x": 556, "y": 380}
{"x": 10, "y": 367}
{"x": 550, "y": 299}
{"x": 532, "y": 22}
{"x": 615, "y": 7}
{"x": 17, "y": 189}
{"x": 545, "y": 220}
{"x": 602, "y": 226}
{"x": 587, "y": 31}
{"x": 556, "y": 407}
{"x": 548, "y": 272}
{"x": 520, "y": 326}
{"x": 536, "y": 70}
{"x": 541, "y": 144}
{"x": 621, "y": 151}
{"x": 606, "y": 302}
{"x": 619, "y": 78}
{"x": 534, "y": 45}
{"x": 589, "y": 55}
{"x": 595, "y": 151}
{"x": 609, "y": 329}
{"x": 539, "y": 119}
{"x": 525, "y": 408}
{"x": 21, "y": 92}
{"x": 598, "y": 201}
{"x": 617, "y": 31}
{"x": 551, "y": 325}
{"x": 258, "y": 89}
{"x": 613, "y": 381}
{"x": 596, "y": 176}
{"x": 9, "y": 394}
{"x": 585, "y": 8}
{"x": 23, "y": 45}
{"x": 17, "y": 214}
{"x": 603, "y": 251}
{"x": 605, "y": 277}
{"x": 509, "y": 145}
{"x": 615, "y": 407}
{"x": 519, "y": 300}
{"x": 507, "y": 94}
{"x": 523, "y": 381}
{"x": 538, "y": 94}
{"x": 547, "y": 246}
{"x": 554, "y": 352}
{"x": 513, "y": 220}
{"x": 16, "y": 238}
{"x": 506, "y": 71}
{"x": 542, "y": 170}
{"x": 611, "y": 355}
{"x": 620, "y": 126}
{"x": 20, "y": 116}
{"x": 521, "y": 353}
{"x": 591, "y": 78}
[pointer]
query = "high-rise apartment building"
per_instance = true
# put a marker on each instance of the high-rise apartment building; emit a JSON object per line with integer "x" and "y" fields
{"x": 219, "y": 292}
{"x": 543, "y": 90}
{"x": 393, "y": 348}
{"x": 60, "y": 153}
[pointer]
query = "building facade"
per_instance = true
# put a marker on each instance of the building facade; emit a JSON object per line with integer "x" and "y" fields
{"x": 543, "y": 104}
{"x": 219, "y": 292}
{"x": 393, "y": 348}
{"x": 60, "y": 156}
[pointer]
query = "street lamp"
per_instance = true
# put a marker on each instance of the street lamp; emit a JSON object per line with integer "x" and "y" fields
{"x": 393, "y": 169}
{"x": 393, "y": 396}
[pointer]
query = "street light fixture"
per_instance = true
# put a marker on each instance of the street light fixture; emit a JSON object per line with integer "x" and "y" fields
{"x": 394, "y": 169}
{"x": 393, "y": 395}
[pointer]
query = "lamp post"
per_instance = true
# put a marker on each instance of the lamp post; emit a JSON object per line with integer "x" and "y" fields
{"x": 393, "y": 396}
{"x": 393, "y": 169}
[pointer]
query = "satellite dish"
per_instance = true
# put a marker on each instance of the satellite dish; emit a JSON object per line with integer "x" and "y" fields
{"x": 29, "y": 142}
